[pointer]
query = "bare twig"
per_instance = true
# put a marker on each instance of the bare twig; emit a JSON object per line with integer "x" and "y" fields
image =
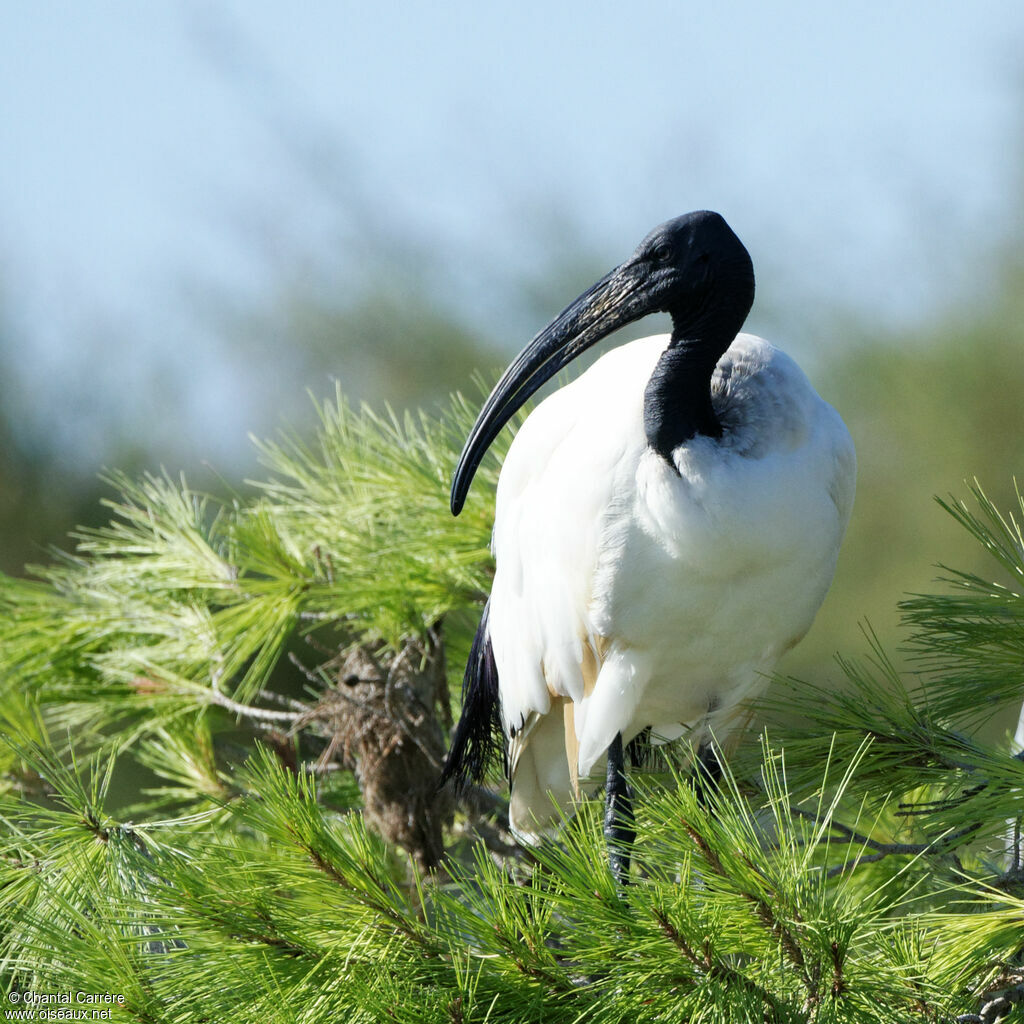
{"x": 247, "y": 711}
{"x": 998, "y": 1004}
{"x": 881, "y": 850}
{"x": 288, "y": 702}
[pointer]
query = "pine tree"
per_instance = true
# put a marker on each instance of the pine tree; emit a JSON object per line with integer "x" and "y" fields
{"x": 222, "y": 721}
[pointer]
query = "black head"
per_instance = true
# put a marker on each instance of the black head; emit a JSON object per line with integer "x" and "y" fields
{"x": 697, "y": 270}
{"x": 693, "y": 268}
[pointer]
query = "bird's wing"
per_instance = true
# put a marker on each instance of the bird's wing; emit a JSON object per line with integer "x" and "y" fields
{"x": 724, "y": 558}
{"x": 574, "y": 454}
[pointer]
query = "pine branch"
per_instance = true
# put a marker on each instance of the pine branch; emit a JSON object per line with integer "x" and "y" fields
{"x": 308, "y": 895}
{"x": 835, "y": 880}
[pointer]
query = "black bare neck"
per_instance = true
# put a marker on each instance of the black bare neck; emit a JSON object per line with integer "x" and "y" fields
{"x": 677, "y": 401}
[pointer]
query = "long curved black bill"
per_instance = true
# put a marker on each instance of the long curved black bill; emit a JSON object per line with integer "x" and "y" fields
{"x": 601, "y": 309}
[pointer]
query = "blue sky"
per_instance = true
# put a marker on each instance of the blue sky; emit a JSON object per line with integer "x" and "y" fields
{"x": 863, "y": 152}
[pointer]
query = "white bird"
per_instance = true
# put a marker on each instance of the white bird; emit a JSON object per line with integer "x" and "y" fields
{"x": 666, "y": 527}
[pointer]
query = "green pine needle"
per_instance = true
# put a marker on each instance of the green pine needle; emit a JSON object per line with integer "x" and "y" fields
{"x": 852, "y": 868}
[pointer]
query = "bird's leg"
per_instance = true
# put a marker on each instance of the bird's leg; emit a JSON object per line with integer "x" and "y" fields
{"x": 707, "y": 772}
{"x": 619, "y": 832}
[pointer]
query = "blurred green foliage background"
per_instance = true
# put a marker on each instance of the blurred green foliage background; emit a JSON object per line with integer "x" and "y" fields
{"x": 929, "y": 408}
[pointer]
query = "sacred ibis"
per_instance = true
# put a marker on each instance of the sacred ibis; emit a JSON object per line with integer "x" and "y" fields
{"x": 666, "y": 527}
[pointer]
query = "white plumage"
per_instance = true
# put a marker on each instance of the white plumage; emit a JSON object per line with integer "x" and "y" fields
{"x": 666, "y": 528}
{"x": 653, "y": 598}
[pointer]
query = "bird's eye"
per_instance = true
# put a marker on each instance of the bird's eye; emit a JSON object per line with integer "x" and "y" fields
{"x": 662, "y": 252}
{"x": 704, "y": 257}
